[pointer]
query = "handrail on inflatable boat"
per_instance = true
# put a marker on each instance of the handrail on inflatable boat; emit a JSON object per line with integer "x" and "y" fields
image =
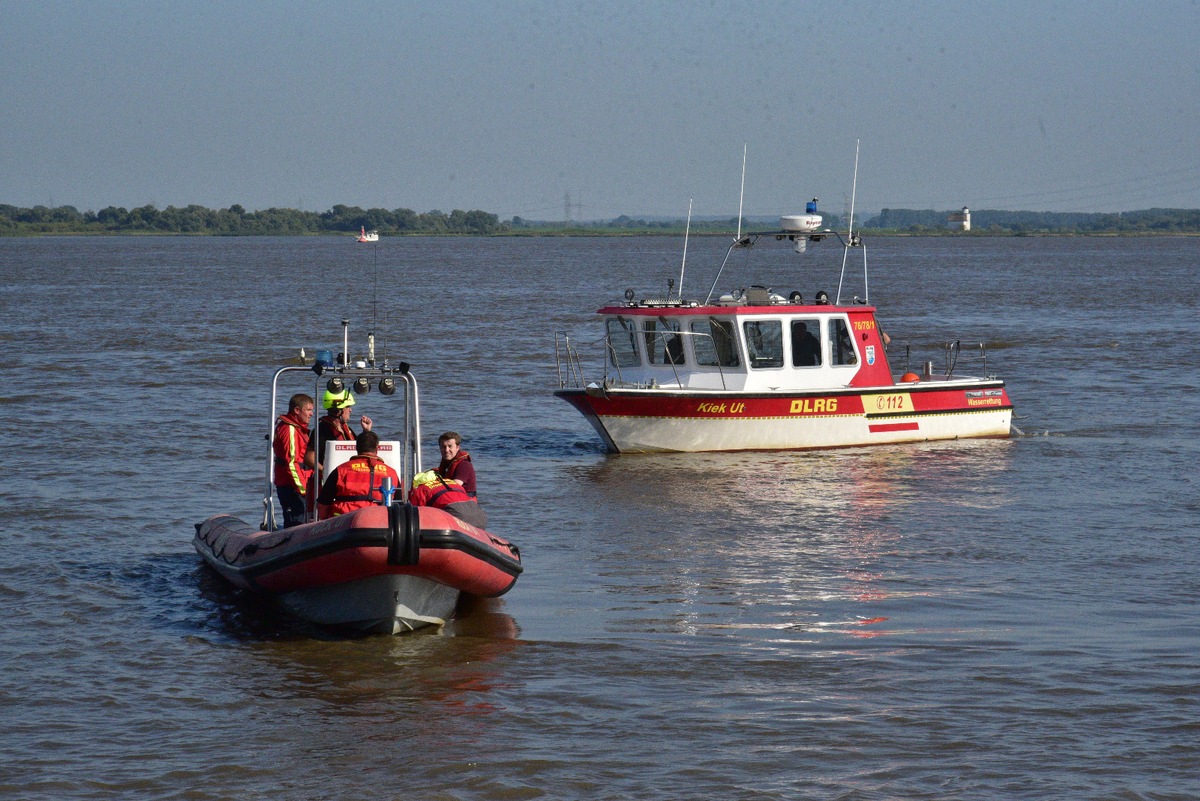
{"x": 351, "y": 375}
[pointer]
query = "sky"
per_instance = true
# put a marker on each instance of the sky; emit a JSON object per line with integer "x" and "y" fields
{"x": 527, "y": 108}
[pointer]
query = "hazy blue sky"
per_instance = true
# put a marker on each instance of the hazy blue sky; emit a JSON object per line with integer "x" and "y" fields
{"x": 631, "y": 107}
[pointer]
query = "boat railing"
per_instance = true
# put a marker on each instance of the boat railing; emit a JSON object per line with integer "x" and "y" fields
{"x": 732, "y": 341}
{"x": 665, "y": 336}
{"x": 388, "y": 380}
{"x": 611, "y": 360}
{"x": 951, "y": 353}
{"x": 569, "y": 362}
{"x": 954, "y": 349}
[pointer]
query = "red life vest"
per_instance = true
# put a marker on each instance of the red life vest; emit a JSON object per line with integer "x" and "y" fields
{"x": 355, "y": 484}
{"x": 329, "y": 429}
{"x": 449, "y": 495}
{"x": 335, "y": 428}
{"x": 291, "y": 442}
{"x": 460, "y": 469}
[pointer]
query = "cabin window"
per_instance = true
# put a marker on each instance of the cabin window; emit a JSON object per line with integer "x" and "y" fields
{"x": 843, "y": 344}
{"x": 714, "y": 343}
{"x": 622, "y": 343}
{"x": 806, "y": 342}
{"x": 663, "y": 344}
{"x": 764, "y": 342}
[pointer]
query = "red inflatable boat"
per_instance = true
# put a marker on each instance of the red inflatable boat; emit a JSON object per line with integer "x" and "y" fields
{"x": 383, "y": 569}
{"x": 388, "y": 567}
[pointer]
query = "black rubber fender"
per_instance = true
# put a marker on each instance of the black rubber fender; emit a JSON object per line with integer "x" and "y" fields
{"x": 404, "y": 535}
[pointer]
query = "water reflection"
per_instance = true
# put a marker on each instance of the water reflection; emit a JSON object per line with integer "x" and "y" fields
{"x": 809, "y": 544}
{"x": 438, "y": 683}
{"x": 853, "y": 482}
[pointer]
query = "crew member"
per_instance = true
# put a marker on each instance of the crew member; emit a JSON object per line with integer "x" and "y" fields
{"x": 293, "y": 468}
{"x": 456, "y": 463}
{"x": 356, "y": 483}
{"x": 806, "y": 348}
{"x": 335, "y": 425}
{"x": 430, "y": 489}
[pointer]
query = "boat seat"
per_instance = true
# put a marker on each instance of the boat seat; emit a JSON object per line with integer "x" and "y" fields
{"x": 338, "y": 451}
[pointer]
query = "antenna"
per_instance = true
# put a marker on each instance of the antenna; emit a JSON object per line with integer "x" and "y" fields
{"x": 850, "y": 237}
{"x": 742, "y": 196}
{"x": 374, "y": 308}
{"x": 686, "y": 232}
{"x": 853, "y": 190}
{"x": 728, "y": 253}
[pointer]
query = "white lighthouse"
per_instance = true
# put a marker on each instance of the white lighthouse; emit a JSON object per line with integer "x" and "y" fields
{"x": 960, "y": 220}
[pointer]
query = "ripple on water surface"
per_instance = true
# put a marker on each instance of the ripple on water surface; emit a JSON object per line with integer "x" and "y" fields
{"x": 978, "y": 620}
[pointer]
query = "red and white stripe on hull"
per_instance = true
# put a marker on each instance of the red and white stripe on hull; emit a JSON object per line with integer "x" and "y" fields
{"x": 639, "y": 421}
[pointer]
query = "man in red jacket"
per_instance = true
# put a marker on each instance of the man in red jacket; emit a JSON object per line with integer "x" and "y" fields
{"x": 456, "y": 463}
{"x": 292, "y": 469}
{"x": 356, "y": 483}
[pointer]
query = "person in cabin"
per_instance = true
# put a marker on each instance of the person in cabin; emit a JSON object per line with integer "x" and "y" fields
{"x": 356, "y": 483}
{"x": 674, "y": 349}
{"x": 806, "y": 348}
{"x": 844, "y": 352}
{"x": 335, "y": 425}
{"x": 431, "y": 489}
{"x": 293, "y": 466}
{"x": 456, "y": 463}
{"x": 822, "y": 298}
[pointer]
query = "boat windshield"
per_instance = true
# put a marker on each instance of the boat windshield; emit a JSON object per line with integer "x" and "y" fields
{"x": 663, "y": 344}
{"x": 843, "y": 344}
{"x": 714, "y": 343}
{"x": 622, "y": 343}
{"x": 764, "y": 343}
{"x": 806, "y": 342}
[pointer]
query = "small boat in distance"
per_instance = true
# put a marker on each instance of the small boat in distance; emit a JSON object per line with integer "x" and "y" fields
{"x": 388, "y": 567}
{"x": 755, "y": 370}
{"x": 367, "y": 236}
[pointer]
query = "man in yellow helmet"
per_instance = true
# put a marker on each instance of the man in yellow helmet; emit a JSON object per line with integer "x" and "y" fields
{"x": 335, "y": 425}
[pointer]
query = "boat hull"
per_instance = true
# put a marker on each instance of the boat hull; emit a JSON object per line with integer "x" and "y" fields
{"x": 390, "y": 603}
{"x": 650, "y": 421}
{"x": 377, "y": 569}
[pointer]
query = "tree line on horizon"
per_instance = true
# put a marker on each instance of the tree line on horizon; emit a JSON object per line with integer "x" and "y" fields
{"x": 986, "y": 221}
{"x": 341, "y": 219}
{"x": 236, "y": 221}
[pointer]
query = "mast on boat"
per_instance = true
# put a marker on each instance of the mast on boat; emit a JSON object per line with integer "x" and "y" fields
{"x": 800, "y": 229}
{"x": 683, "y": 266}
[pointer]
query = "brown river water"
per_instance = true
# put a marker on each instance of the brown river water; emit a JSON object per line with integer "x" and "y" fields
{"x": 1009, "y": 619}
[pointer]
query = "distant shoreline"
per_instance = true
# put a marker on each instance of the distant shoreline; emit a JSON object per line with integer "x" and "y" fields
{"x": 351, "y": 220}
{"x": 598, "y": 233}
